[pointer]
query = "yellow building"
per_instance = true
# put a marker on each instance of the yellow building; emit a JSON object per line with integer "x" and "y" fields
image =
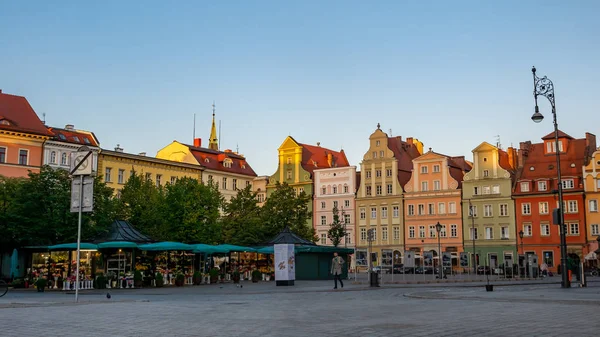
{"x": 117, "y": 166}
{"x": 591, "y": 185}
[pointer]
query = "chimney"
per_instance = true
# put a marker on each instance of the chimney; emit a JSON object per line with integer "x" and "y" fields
{"x": 409, "y": 140}
{"x": 523, "y": 152}
{"x": 0, "y": 91}
{"x": 330, "y": 160}
{"x": 118, "y": 148}
{"x": 318, "y": 143}
{"x": 142, "y": 154}
{"x": 590, "y": 143}
{"x": 197, "y": 142}
{"x": 70, "y": 127}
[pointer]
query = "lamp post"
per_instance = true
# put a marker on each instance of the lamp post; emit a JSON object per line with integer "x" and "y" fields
{"x": 438, "y": 228}
{"x": 544, "y": 87}
{"x": 473, "y": 236}
{"x": 521, "y": 236}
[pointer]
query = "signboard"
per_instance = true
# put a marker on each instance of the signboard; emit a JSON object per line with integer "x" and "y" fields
{"x": 428, "y": 258}
{"x": 285, "y": 264}
{"x": 86, "y": 158}
{"x": 447, "y": 259}
{"x": 409, "y": 259}
{"x": 464, "y": 259}
{"x": 88, "y": 194}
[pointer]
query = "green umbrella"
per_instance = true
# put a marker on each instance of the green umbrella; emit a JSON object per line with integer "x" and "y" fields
{"x": 165, "y": 246}
{"x": 266, "y": 250}
{"x": 14, "y": 264}
{"x": 234, "y": 248}
{"x": 208, "y": 249}
{"x": 117, "y": 244}
{"x": 73, "y": 246}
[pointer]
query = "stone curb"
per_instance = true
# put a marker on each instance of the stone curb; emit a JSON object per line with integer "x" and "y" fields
{"x": 13, "y": 305}
{"x": 496, "y": 299}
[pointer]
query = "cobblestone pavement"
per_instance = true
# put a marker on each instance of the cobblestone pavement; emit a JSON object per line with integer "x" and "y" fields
{"x": 308, "y": 311}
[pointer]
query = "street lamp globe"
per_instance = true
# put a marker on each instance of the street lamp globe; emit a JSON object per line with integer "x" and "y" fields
{"x": 521, "y": 234}
{"x": 537, "y": 117}
{"x": 438, "y": 227}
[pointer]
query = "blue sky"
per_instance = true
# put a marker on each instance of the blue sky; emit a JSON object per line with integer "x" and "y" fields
{"x": 450, "y": 73}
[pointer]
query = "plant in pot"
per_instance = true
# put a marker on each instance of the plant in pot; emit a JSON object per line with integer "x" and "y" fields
{"x": 100, "y": 282}
{"x": 40, "y": 284}
{"x": 197, "y": 278}
{"x": 214, "y": 275}
{"x": 179, "y": 280}
{"x": 256, "y": 275}
{"x": 236, "y": 277}
{"x": 137, "y": 279}
{"x": 59, "y": 282}
{"x": 159, "y": 280}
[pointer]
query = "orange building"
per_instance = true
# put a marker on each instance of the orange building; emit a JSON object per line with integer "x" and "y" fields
{"x": 22, "y": 136}
{"x": 591, "y": 185}
{"x": 535, "y": 194}
{"x": 432, "y": 195}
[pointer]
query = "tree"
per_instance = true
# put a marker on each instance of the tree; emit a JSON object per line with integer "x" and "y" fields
{"x": 336, "y": 230}
{"x": 285, "y": 207}
{"x": 8, "y": 200}
{"x": 242, "y": 224}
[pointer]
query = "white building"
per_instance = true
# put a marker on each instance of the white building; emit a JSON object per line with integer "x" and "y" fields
{"x": 57, "y": 151}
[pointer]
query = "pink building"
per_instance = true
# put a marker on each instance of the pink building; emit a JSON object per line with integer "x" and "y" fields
{"x": 334, "y": 187}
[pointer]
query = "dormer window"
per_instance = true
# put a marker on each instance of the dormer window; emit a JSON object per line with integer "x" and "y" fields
{"x": 76, "y": 139}
{"x": 206, "y": 160}
{"x": 61, "y": 136}
{"x": 4, "y": 122}
{"x": 85, "y": 140}
{"x": 542, "y": 186}
{"x": 525, "y": 187}
{"x": 243, "y": 166}
{"x": 551, "y": 146}
{"x": 227, "y": 163}
{"x": 568, "y": 184}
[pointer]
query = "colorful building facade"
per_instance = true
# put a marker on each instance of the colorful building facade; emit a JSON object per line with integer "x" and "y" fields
{"x": 259, "y": 186}
{"x": 535, "y": 196}
{"x": 591, "y": 186}
{"x": 297, "y": 163}
{"x": 384, "y": 171}
{"x": 432, "y": 196}
{"x": 488, "y": 208}
{"x": 334, "y": 188}
{"x": 22, "y": 137}
{"x": 65, "y": 141}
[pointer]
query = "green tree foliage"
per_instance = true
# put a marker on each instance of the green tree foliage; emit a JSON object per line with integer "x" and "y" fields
{"x": 336, "y": 231}
{"x": 242, "y": 224}
{"x": 285, "y": 207}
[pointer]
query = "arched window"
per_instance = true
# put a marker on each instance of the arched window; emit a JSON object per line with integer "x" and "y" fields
{"x": 53, "y": 157}
{"x": 334, "y": 189}
{"x": 323, "y": 189}
{"x": 63, "y": 159}
{"x": 345, "y": 188}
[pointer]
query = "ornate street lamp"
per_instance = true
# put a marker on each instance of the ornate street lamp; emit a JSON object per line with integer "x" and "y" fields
{"x": 521, "y": 236}
{"x": 438, "y": 228}
{"x": 544, "y": 87}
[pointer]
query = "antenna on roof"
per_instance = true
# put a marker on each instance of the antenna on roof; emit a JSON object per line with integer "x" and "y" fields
{"x": 44, "y": 118}
{"x": 498, "y": 145}
{"x": 390, "y": 132}
{"x": 237, "y": 148}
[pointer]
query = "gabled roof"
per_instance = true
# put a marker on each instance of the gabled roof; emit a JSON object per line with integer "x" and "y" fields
{"x": 17, "y": 115}
{"x": 404, "y": 153}
{"x": 75, "y": 137}
{"x": 286, "y": 236}
{"x": 215, "y": 160}
{"x": 457, "y": 165}
{"x": 560, "y": 135}
{"x": 316, "y": 157}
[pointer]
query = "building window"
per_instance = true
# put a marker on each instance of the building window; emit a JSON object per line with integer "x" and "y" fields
{"x": 345, "y": 188}
{"x": 595, "y": 229}
{"x": 53, "y": 157}
{"x": 390, "y": 189}
{"x": 436, "y": 168}
{"x": 346, "y": 218}
{"x": 486, "y": 190}
{"x": 526, "y": 230}
{"x": 431, "y": 209}
{"x": 374, "y": 231}
{"x": 545, "y": 229}
{"x": 373, "y": 212}
{"x": 323, "y": 220}
{"x": 377, "y": 143}
{"x": 368, "y": 174}
{"x": 422, "y": 232}
{"x": 441, "y": 208}
{"x": 574, "y": 229}
{"x": 543, "y": 207}
{"x": 397, "y": 233}
{"x": 388, "y": 173}
{"x": 436, "y": 185}
{"x": 323, "y": 205}
{"x": 573, "y": 206}
{"x": 525, "y": 187}
{"x": 568, "y": 184}
{"x": 323, "y": 239}
{"x": 289, "y": 160}
{"x": 424, "y": 186}
{"x": 381, "y": 154}
{"x": 107, "y": 174}
{"x": 503, "y": 209}
{"x": 64, "y": 159}
{"x": 384, "y": 212}
{"x": 411, "y": 210}
{"x": 452, "y": 207}
{"x": 158, "y": 179}
{"x": 424, "y": 169}
{"x": 548, "y": 258}
{"x": 526, "y": 208}
{"x": 473, "y": 210}
{"x": 260, "y": 197}
{"x": 323, "y": 190}
{"x": 378, "y": 173}
{"x": 411, "y": 232}
{"x": 368, "y": 190}
{"x": 473, "y": 233}
{"x": 2, "y": 154}
{"x": 489, "y": 233}
{"x": 210, "y": 178}
{"x": 120, "y": 176}
{"x": 496, "y": 189}
{"x": 363, "y": 213}
{"x": 378, "y": 187}
{"x": 335, "y": 204}
{"x": 443, "y": 231}
{"x": 148, "y": 176}
{"x": 504, "y": 232}
{"x": 23, "y": 156}
{"x": 173, "y": 180}
{"x": 432, "y": 231}
{"x": 486, "y": 173}
{"x": 234, "y": 182}
{"x": 593, "y": 205}
{"x": 224, "y": 184}
{"x": 476, "y": 190}
{"x": 363, "y": 234}
{"x": 542, "y": 186}
{"x": 487, "y": 211}
{"x": 421, "y": 209}
{"x": 374, "y": 154}
{"x": 384, "y": 234}
{"x": 334, "y": 189}
{"x": 453, "y": 231}
{"x": 395, "y": 211}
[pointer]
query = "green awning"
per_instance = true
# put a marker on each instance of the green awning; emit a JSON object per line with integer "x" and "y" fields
{"x": 117, "y": 244}
{"x": 73, "y": 246}
{"x": 266, "y": 250}
{"x": 234, "y": 248}
{"x": 208, "y": 249}
{"x": 323, "y": 249}
{"x": 165, "y": 246}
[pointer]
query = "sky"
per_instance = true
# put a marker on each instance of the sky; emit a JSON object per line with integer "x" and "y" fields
{"x": 450, "y": 73}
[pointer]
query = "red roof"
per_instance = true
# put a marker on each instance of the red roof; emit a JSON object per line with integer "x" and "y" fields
{"x": 404, "y": 152}
{"x": 504, "y": 161}
{"x": 17, "y": 115}
{"x": 216, "y": 161}
{"x": 560, "y": 135}
{"x": 316, "y": 157}
{"x": 75, "y": 137}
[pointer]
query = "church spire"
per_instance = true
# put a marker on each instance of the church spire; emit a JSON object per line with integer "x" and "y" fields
{"x": 213, "y": 143}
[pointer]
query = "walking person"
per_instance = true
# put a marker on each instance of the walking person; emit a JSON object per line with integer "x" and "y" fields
{"x": 336, "y": 269}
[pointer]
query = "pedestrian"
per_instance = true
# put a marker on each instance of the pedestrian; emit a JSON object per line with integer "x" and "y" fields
{"x": 336, "y": 269}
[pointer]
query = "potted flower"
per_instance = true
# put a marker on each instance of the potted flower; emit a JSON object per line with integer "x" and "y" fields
{"x": 256, "y": 275}
{"x": 159, "y": 280}
{"x": 137, "y": 279}
{"x": 214, "y": 275}
{"x": 197, "y": 278}
{"x": 40, "y": 284}
{"x": 179, "y": 280}
{"x": 100, "y": 282}
{"x": 267, "y": 277}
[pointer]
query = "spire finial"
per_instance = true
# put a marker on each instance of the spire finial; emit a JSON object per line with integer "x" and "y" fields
{"x": 213, "y": 106}
{"x": 378, "y": 126}
{"x": 213, "y": 142}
